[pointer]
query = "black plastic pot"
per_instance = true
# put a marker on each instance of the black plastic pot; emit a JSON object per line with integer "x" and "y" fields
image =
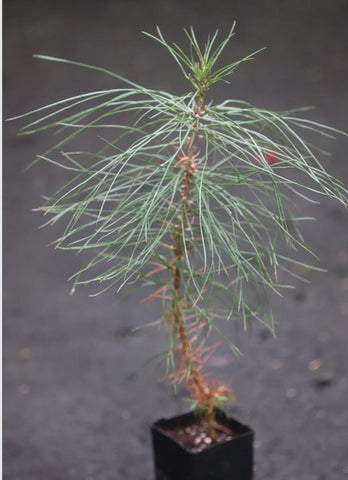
{"x": 230, "y": 460}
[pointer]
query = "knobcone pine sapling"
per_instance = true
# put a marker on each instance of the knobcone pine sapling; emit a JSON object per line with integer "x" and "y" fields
{"x": 190, "y": 198}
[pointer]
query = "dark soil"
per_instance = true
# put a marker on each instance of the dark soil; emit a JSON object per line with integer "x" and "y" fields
{"x": 77, "y": 403}
{"x": 195, "y": 438}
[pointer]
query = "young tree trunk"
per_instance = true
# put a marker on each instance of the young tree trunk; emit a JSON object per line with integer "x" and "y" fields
{"x": 196, "y": 380}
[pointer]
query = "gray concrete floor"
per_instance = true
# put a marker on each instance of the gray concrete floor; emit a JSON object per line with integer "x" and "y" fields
{"x": 77, "y": 402}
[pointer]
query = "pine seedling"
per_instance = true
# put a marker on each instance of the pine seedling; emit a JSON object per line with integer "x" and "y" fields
{"x": 190, "y": 197}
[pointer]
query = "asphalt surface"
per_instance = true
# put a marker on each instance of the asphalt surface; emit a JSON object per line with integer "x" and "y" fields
{"x": 78, "y": 402}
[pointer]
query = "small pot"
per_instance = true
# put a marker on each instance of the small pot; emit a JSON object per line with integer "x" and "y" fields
{"x": 229, "y": 460}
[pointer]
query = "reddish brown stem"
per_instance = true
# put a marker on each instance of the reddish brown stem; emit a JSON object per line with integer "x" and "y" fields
{"x": 196, "y": 378}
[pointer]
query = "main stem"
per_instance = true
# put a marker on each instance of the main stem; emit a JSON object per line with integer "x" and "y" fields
{"x": 196, "y": 379}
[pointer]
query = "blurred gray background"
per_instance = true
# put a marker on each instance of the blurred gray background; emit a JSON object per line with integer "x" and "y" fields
{"x": 78, "y": 402}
